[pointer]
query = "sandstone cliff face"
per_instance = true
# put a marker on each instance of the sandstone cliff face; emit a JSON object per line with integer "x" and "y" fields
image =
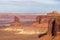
{"x": 41, "y": 21}
{"x": 52, "y": 17}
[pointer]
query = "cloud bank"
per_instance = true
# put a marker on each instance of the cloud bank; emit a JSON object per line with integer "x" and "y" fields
{"x": 29, "y": 6}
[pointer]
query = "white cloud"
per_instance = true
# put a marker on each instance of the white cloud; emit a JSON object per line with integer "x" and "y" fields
{"x": 47, "y": 1}
{"x": 15, "y": 0}
{"x": 40, "y": 1}
{"x": 28, "y": 5}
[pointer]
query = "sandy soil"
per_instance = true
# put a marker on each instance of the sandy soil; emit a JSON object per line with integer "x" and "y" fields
{"x": 49, "y": 37}
{"x": 5, "y": 35}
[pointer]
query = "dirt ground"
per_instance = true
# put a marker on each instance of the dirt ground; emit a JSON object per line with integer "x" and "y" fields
{"x": 49, "y": 37}
{"x": 5, "y": 35}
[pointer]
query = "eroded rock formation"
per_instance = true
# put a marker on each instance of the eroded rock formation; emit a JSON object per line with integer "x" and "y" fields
{"x": 53, "y": 20}
{"x": 16, "y": 22}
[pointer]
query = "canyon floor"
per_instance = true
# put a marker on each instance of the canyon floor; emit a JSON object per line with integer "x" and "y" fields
{"x": 5, "y": 35}
{"x": 10, "y": 35}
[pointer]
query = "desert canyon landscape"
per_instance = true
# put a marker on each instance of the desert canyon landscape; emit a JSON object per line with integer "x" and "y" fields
{"x": 29, "y": 26}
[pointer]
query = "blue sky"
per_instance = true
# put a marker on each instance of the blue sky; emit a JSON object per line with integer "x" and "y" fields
{"x": 29, "y": 6}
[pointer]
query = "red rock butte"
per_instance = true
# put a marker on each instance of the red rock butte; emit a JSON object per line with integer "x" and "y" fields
{"x": 16, "y": 22}
{"x": 53, "y": 21}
